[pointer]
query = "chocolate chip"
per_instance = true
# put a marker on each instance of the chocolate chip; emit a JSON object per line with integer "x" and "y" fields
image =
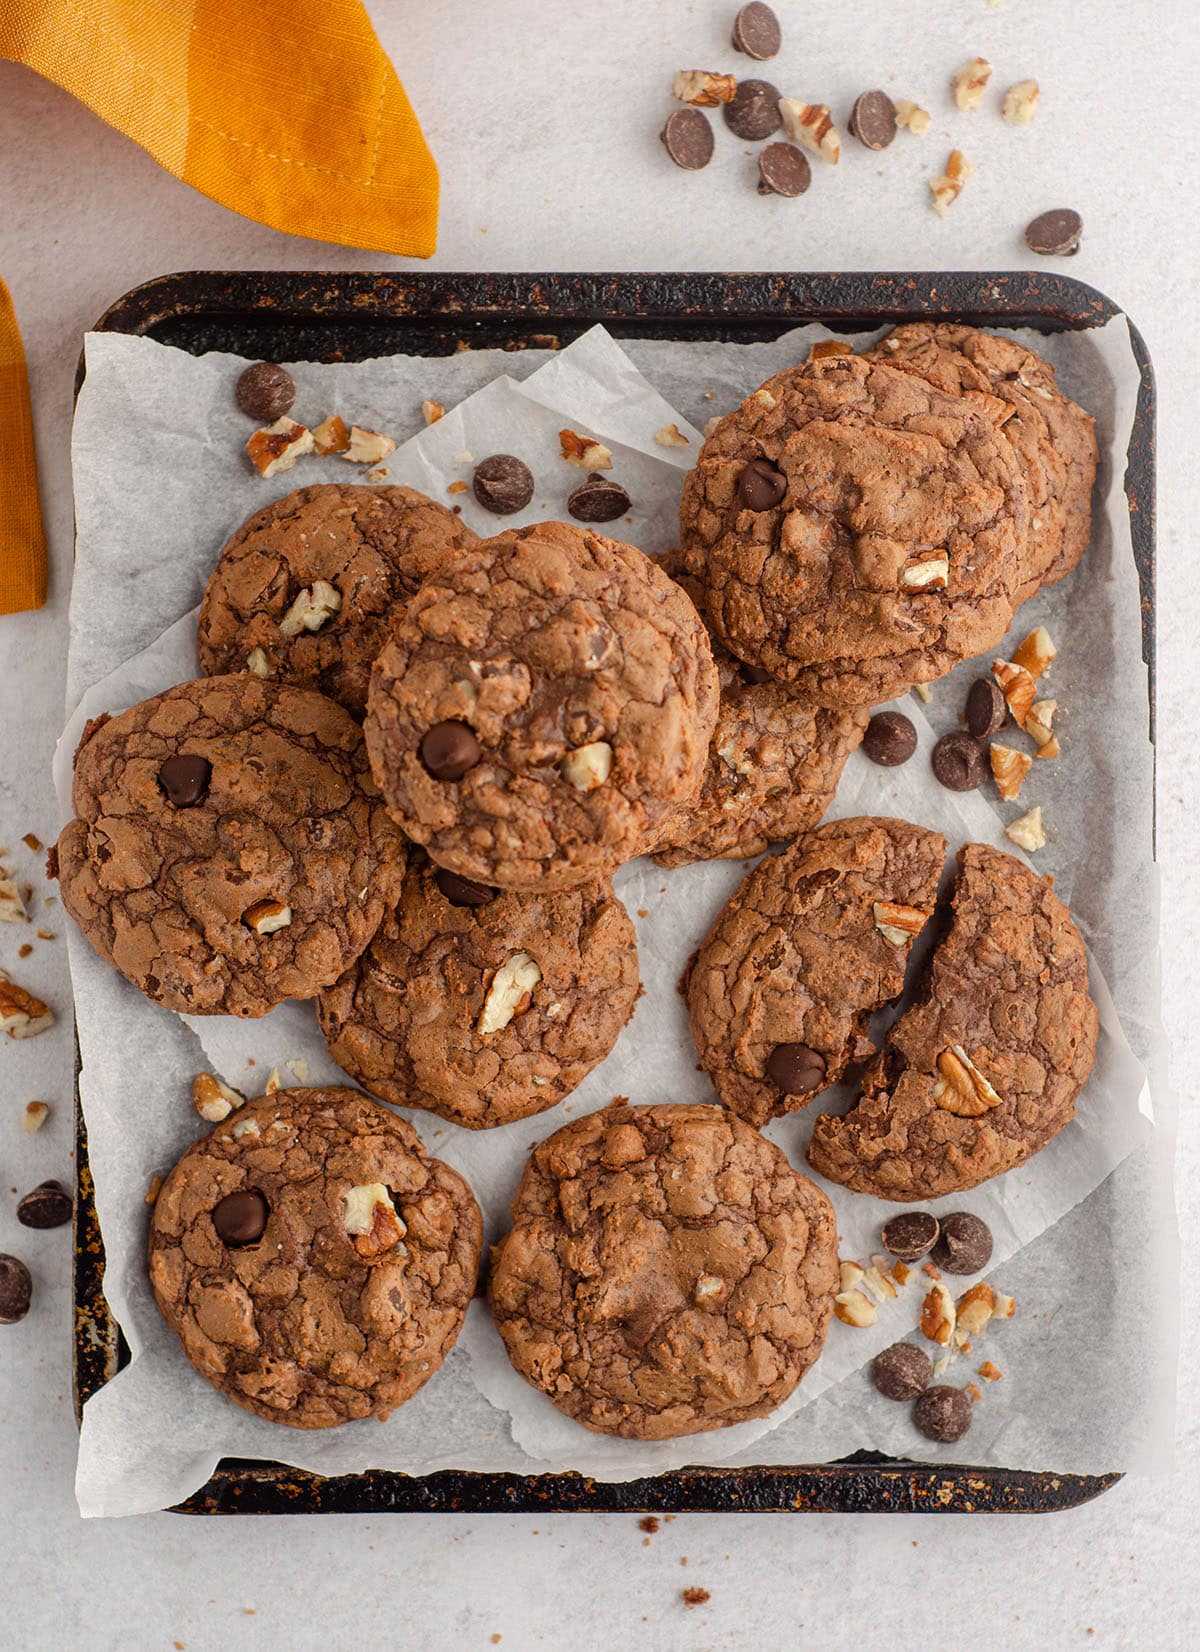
{"x": 890, "y": 739}
{"x": 689, "y": 139}
{"x": 448, "y": 750}
{"x": 911, "y": 1235}
{"x": 873, "y": 120}
{"x": 16, "y": 1290}
{"x": 794, "y": 1069}
{"x": 240, "y": 1218}
{"x": 783, "y": 170}
{"x": 753, "y": 111}
{"x": 48, "y": 1206}
{"x": 753, "y": 674}
{"x": 761, "y": 486}
{"x": 502, "y": 484}
{"x": 756, "y": 31}
{"x": 960, "y": 762}
{"x": 185, "y": 779}
{"x": 599, "y": 499}
{"x": 1055, "y": 233}
{"x": 987, "y": 709}
{"x": 265, "y": 392}
{"x": 943, "y": 1413}
{"x": 902, "y": 1371}
{"x": 462, "y": 891}
{"x": 965, "y": 1245}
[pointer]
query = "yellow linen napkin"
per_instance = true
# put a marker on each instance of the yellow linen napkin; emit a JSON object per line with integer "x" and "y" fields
{"x": 22, "y": 542}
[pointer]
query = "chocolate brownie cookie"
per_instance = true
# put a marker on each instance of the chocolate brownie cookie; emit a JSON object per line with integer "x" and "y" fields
{"x": 302, "y": 592}
{"x": 984, "y": 1069}
{"x": 484, "y": 1005}
{"x": 314, "y": 1263}
{"x": 667, "y": 1272}
{"x": 229, "y": 848}
{"x": 809, "y": 944}
{"x": 857, "y": 530}
{"x": 774, "y": 762}
{"x": 542, "y": 709}
{"x": 1054, "y": 439}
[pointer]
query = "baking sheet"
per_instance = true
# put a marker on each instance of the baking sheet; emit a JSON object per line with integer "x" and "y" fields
{"x": 159, "y": 487}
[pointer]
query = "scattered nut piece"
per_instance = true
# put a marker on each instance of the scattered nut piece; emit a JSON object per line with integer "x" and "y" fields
{"x": 213, "y": 1099}
{"x": 940, "y": 1365}
{"x": 258, "y": 662}
{"x": 12, "y": 907}
{"x": 1020, "y": 102}
{"x": 810, "y": 125}
{"x": 878, "y": 1284}
{"x": 1027, "y": 833}
{"x": 312, "y": 607}
{"x": 930, "y": 572}
{"x": 331, "y": 435}
{"x": 1004, "y": 1307}
{"x": 431, "y": 412}
{"x": 671, "y": 436}
{"x": 33, "y": 843}
{"x": 21, "y": 1014}
{"x": 937, "y": 1315}
{"x": 970, "y": 83}
{"x": 584, "y": 451}
{"x": 1036, "y": 652}
{"x": 901, "y": 1272}
{"x": 265, "y": 917}
{"x": 36, "y": 1114}
{"x": 1009, "y": 768}
{"x": 973, "y": 1392}
{"x": 923, "y": 692}
{"x": 299, "y": 1069}
{"x": 457, "y": 487}
{"x": 990, "y": 1372}
{"x": 962, "y": 1088}
{"x": 850, "y": 1273}
{"x": 1018, "y": 688}
{"x": 367, "y": 447}
{"x": 703, "y": 88}
{"x": 931, "y": 1269}
{"x": 277, "y": 446}
{"x": 974, "y": 1310}
{"x": 371, "y": 1219}
{"x": 510, "y": 992}
{"x": 912, "y": 117}
{"x": 1038, "y": 723}
{"x": 274, "y": 1082}
{"x": 853, "y": 1308}
{"x": 588, "y": 766}
{"x": 947, "y": 188}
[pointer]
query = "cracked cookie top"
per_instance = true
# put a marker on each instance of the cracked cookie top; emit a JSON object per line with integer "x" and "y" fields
{"x": 484, "y": 1005}
{"x": 985, "y": 1068}
{"x": 807, "y": 947}
{"x": 857, "y": 531}
{"x": 667, "y": 1272}
{"x": 229, "y": 848}
{"x": 542, "y": 708}
{"x": 315, "y": 1264}
{"x": 302, "y": 592}
{"x": 1054, "y": 439}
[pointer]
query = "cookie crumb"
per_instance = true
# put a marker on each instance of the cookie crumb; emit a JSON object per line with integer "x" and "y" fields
{"x": 696, "y": 1597}
{"x": 649, "y": 1523}
{"x": 33, "y": 843}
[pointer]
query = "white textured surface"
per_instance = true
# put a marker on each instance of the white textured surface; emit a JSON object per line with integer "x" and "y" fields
{"x": 544, "y": 122}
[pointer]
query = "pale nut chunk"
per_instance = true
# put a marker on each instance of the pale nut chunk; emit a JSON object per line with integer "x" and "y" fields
{"x": 584, "y": 451}
{"x": 850, "y": 1274}
{"x": 258, "y": 662}
{"x": 431, "y": 412}
{"x": 670, "y": 435}
{"x": 923, "y": 692}
{"x": 810, "y": 125}
{"x": 1027, "y": 832}
{"x": 1003, "y": 1307}
{"x": 312, "y": 608}
{"x": 938, "y": 1315}
{"x": 367, "y": 447}
{"x": 970, "y": 83}
{"x": 1018, "y": 688}
{"x": 974, "y": 1311}
{"x": 510, "y": 992}
{"x": 853, "y": 1308}
{"x": 1036, "y": 652}
{"x": 1039, "y": 727}
{"x": 587, "y": 767}
{"x": 1020, "y": 102}
{"x": 912, "y": 117}
{"x": 213, "y": 1099}
{"x": 274, "y": 1082}
{"x": 707, "y": 1287}
{"x": 1009, "y": 768}
{"x": 12, "y": 907}
{"x": 962, "y": 1088}
{"x": 948, "y": 187}
{"x": 703, "y": 88}
{"x": 882, "y": 1265}
{"x": 36, "y": 1114}
{"x": 878, "y": 1285}
{"x": 764, "y": 398}
{"x": 21, "y": 1014}
{"x": 371, "y": 1219}
{"x": 331, "y": 435}
{"x": 898, "y": 924}
{"x": 246, "y": 1127}
{"x": 265, "y": 917}
{"x": 277, "y": 446}
{"x": 926, "y": 573}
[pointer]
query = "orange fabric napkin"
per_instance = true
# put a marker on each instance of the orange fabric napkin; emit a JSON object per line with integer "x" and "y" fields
{"x": 286, "y": 111}
{"x": 22, "y": 542}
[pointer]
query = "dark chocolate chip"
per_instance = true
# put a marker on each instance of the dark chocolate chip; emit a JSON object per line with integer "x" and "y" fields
{"x": 265, "y": 392}
{"x": 943, "y": 1413}
{"x": 502, "y": 484}
{"x": 890, "y": 739}
{"x": 640, "y": 1325}
{"x": 753, "y": 674}
{"x": 462, "y": 891}
{"x": 795, "y": 1069}
{"x": 873, "y": 120}
{"x": 16, "y": 1290}
{"x": 240, "y": 1218}
{"x": 783, "y": 169}
{"x": 902, "y": 1371}
{"x": 48, "y": 1206}
{"x": 1056, "y": 233}
{"x": 761, "y": 486}
{"x": 689, "y": 139}
{"x": 599, "y": 499}
{"x": 965, "y": 1245}
{"x": 756, "y": 31}
{"x": 987, "y": 709}
{"x": 753, "y": 111}
{"x": 185, "y": 779}
{"x": 960, "y": 762}
{"x": 911, "y": 1235}
{"x": 448, "y": 750}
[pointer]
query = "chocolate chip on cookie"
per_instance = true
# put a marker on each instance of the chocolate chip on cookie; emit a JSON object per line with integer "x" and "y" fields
{"x": 265, "y": 392}
{"x": 761, "y": 486}
{"x": 184, "y": 779}
{"x": 599, "y": 499}
{"x": 943, "y": 1413}
{"x": 240, "y": 1218}
{"x": 753, "y": 111}
{"x": 502, "y": 484}
{"x": 902, "y": 1371}
{"x": 960, "y": 762}
{"x": 911, "y": 1235}
{"x": 449, "y": 749}
{"x": 756, "y": 31}
{"x": 667, "y": 1271}
{"x": 965, "y": 1243}
{"x": 986, "y": 710}
{"x": 794, "y": 1069}
{"x": 890, "y": 739}
{"x": 462, "y": 891}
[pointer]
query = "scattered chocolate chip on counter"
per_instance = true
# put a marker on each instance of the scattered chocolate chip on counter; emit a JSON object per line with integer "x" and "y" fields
{"x": 753, "y": 112}
{"x": 783, "y": 170}
{"x": 265, "y": 392}
{"x": 1055, "y": 234}
{"x": 986, "y": 710}
{"x": 943, "y": 1413}
{"x": 902, "y": 1371}
{"x": 873, "y": 120}
{"x": 48, "y": 1206}
{"x": 756, "y": 31}
{"x": 965, "y": 1243}
{"x": 599, "y": 499}
{"x": 688, "y": 138}
{"x": 16, "y": 1290}
{"x": 911, "y": 1235}
{"x": 890, "y": 739}
{"x": 503, "y": 484}
{"x": 960, "y": 762}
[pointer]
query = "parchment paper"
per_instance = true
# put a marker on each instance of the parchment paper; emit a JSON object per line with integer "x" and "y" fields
{"x": 159, "y": 487}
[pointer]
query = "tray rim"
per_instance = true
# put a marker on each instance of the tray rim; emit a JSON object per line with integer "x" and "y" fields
{"x": 771, "y": 301}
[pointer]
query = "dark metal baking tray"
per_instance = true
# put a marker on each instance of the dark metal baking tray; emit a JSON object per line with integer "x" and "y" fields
{"x": 314, "y": 316}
